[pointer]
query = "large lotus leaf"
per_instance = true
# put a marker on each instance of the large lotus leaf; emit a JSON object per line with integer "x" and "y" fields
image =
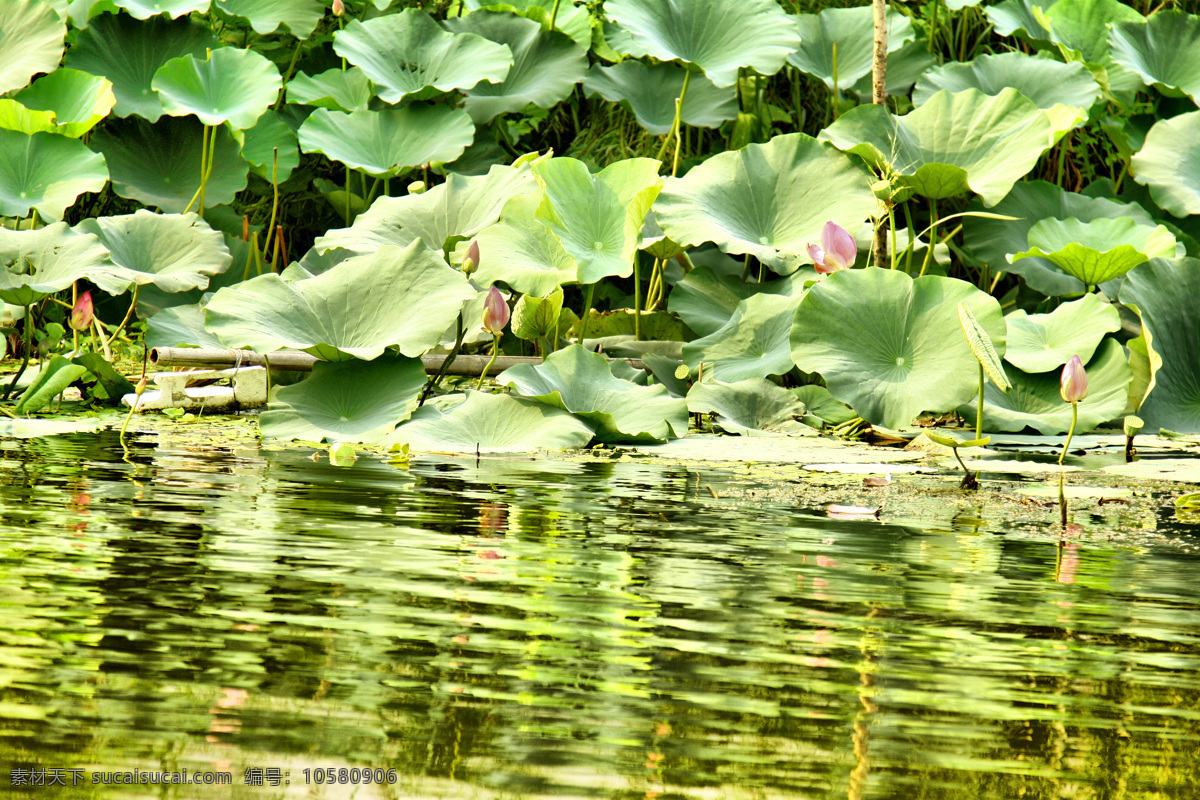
{"x": 649, "y": 91}
{"x": 128, "y": 53}
{"x": 522, "y": 252}
{"x": 744, "y": 407}
{"x": 232, "y": 85}
{"x": 265, "y": 16}
{"x": 1164, "y": 294}
{"x": 705, "y": 300}
{"x": 51, "y": 381}
{"x": 953, "y": 143}
{"x": 354, "y": 310}
{"x": 461, "y": 206}
{"x": 41, "y": 262}
{"x": 598, "y": 218}
{"x": 67, "y": 102}
{"x": 1033, "y": 401}
{"x": 571, "y": 19}
{"x": 346, "y": 401}
{"x": 1081, "y": 28}
{"x": 717, "y": 36}
{"x": 491, "y": 423}
{"x": 1169, "y": 163}
{"x": 381, "y": 143}
{"x": 46, "y": 172}
{"x": 1016, "y": 18}
{"x": 31, "y": 41}
{"x": 767, "y": 200}
{"x": 1042, "y": 342}
{"x": 270, "y": 137}
{"x": 852, "y": 31}
{"x": 754, "y": 343}
{"x": 335, "y": 89}
{"x": 145, "y": 9}
{"x": 1044, "y": 81}
{"x": 1164, "y": 50}
{"x": 546, "y": 64}
{"x": 1097, "y": 251}
{"x": 159, "y": 164}
{"x": 409, "y": 55}
{"x": 580, "y": 381}
{"x": 891, "y": 346}
{"x": 180, "y": 326}
{"x": 175, "y": 252}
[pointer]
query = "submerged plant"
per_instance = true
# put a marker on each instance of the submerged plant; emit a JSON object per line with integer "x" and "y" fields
{"x": 970, "y": 479}
{"x": 837, "y": 251}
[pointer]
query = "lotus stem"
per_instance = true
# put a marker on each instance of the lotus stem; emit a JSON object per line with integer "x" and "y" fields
{"x": 74, "y": 331}
{"x": 124, "y": 322}
{"x": 678, "y": 138}
{"x": 979, "y": 413}
{"x": 458, "y": 340}
{"x": 28, "y": 338}
{"x": 968, "y": 481}
{"x": 553, "y": 14}
{"x": 932, "y": 236}
{"x": 835, "y": 83}
{"x": 495, "y": 352}
{"x": 662, "y": 151}
{"x": 637, "y": 310}
{"x": 1070, "y": 432}
{"x": 587, "y": 309}
{"x": 208, "y": 144}
{"x": 275, "y": 199}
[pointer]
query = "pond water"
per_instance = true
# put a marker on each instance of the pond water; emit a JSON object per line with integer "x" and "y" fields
{"x": 522, "y": 628}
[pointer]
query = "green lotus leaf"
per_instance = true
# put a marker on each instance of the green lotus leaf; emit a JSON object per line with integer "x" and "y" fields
{"x": 537, "y": 317}
{"x": 46, "y": 172}
{"x": 546, "y": 65}
{"x": 1097, "y": 251}
{"x": 1169, "y": 163}
{"x": 128, "y": 53}
{"x": 522, "y": 252}
{"x": 460, "y": 207}
{"x": 1080, "y": 27}
{"x": 1042, "y": 342}
{"x": 1043, "y": 80}
{"x": 763, "y": 201}
{"x": 991, "y": 241}
{"x": 491, "y": 423}
{"x": 706, "y": 300}
{"x": 353, "y": 310}
{"x": 67, "y": 102}
{"x": 41, "y": 262}
{"x": 50, "y": 382}
{"x": 571, "y": 19}
{"x": 265, "y": 16}
{"x": 1034, "y": 400}
{"x": 345, "y": 401}
{"x": 409, "y": 55}
{"x": 175, "y": 252}
{"x": 145, "y": 9}
{"x": 754, "y": 343}
{"x": 1163, "y": 51}
{"x": 822, "y": 405}
{"x": 955, "y": 142}
{"x": 891, "y": 346}
{"x": 159, "y": 164}
{"x": 381, "y": 143}
{"x": 852, "y": 31}
{"x": 32, "y": 35}
{"x": 904, "y": 67}
{"x": 1016, "y": 18}
{"x": 718, "y": 37}
{"x": 598, "y": 218}
{"x": 232, "y": 85}
{"x": 745, "y": 407}
{"x": 180, "y": 326}
{"x": 260, "y": 144}
{"x": 580, "y": 381}
{"x": 1164, "y": 294}
{"x": 649, "y": 92}
{"x": 335, "y": 89}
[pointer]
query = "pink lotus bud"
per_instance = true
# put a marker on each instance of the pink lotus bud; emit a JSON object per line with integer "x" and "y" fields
{"x": 837, "y": 251}
{"x": 82, "y": 312}
{"x": 471, "y": 260}
{"x": 339, "y": 8}
{"x": 495, "y": 312}
{"x": 1074, "y": 381}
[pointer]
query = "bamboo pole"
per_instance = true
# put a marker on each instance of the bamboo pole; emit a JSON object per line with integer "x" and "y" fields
{"x": 879, "y": 97}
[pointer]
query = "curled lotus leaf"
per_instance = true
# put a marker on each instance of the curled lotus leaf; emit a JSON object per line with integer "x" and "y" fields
{"x": 32, "y": 35}
{"x": 522, "y": 252}
{"x": 145, "y": 9}
{"x": 1081, "y": 28}
{"x": 335, "y": 89}
{"x": 381, "y": 143}
{"x": 745, "y": 407}
{"x": 300, "y": 17}
{"x": 754, "y": 343}
{"x": 67, "y": 102}
{"x": 491, "y": 423}
{"x": 1043, "y": 342}
{"x": 175, "y": 252}
{"x": 572, "y": 19}
{"x": 41, "y": 262}
{"x": 1164, "y": 51}
{"x": 1043, "y": 80}
{"x": 1097, "y": 251}
{"x": 1169, "y": 164}
{"x": 231, "y": 85}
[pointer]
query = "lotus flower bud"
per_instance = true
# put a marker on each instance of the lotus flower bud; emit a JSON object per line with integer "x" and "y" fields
{"x": 339, "y": 8}
{"x": 837, "y": 251}
{"x": 495, "y": 312}
{"x": 82, "y": 312}
{"x": 471, "y": 259}
{"x": 1073, "y": 386}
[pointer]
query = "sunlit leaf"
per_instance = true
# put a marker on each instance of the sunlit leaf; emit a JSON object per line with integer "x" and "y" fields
{"x": 46, "y": 172}
{"x": 175, "y": 252}
{"x": 491, "y": 423}
{"x": 745, "y": 407}
{"x": 754, "y": 343}
{"x": 852, "y": 30}
{"x": 381, "y": 143}
{"x": 31, "y": 41}
{"x": 1042, "y": 342}
{"x": 1097, "y": 251}
{"x": 67, "y": 102}
{"x": 335, "y": 89}
{"x": 266, "y": 16}
{"x": 232, "y": 85}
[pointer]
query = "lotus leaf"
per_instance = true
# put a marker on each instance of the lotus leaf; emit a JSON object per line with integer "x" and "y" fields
{"x": 891, "y": 346}
{"x": 1016, "y": 18}
{"x": 128, "y": 53}
{"x": 904, "y": 67}
{"x": 754, "y": 343}
{"x": 1164, "y": 294}
{"x": 1044, "y": 81}
{"x": 822, "y": 405}
{"x": 546, "y": 64}
{"x": 67, "y": 102}
{"x": 1164, "y": 50}
{"x": 717, "y": 36}
{"x": 175, "y": 252}
{"x": 705, "y": 300}
{"x": 260, "y": 144}
{"x": 1169, "y": 163}
{"x": 1042, "y": 342}
{"x": 598, "y": 218}
{"x": 572, "y": 19}
{"x": 1081, "y": 27}
{"x": 579, "y": 381}
{"x": 180, "y": 326}
{"x": 1097, "y": 251}
{"x": 346, "y": 401}
{"x": 381, "y": 143}
{"x": 41, "y": 262}
{"x": 232, "y": 85}
{"x": 159, "y": 164}
{"x": 1144, "y": 365}
{"x": 851, "y": 30}
{"x": 145, "y": 9}
{"x": 354, "y": 310}
{"x": 335, "y": 89}
{"x": 522, "y": 252}
{"x": 46, "y": 172}
{"x": 51, "y": 381}
{"x": 409, "y": 55}
{"x": 33, "y": 36}
{"x": 764, "y": 201}
{"x": 536, "y": 317}
{"x": 745, "y": 407}
{"x": 662, "y": 329}
{"x": 1033, "y": 401}
{"x": 265, "y": 16}
{"x": 649, "y": 92}
{"x": 491, "y": 423}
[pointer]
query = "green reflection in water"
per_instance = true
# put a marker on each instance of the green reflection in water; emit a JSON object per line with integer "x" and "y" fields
{"x": 516, "y": 628}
